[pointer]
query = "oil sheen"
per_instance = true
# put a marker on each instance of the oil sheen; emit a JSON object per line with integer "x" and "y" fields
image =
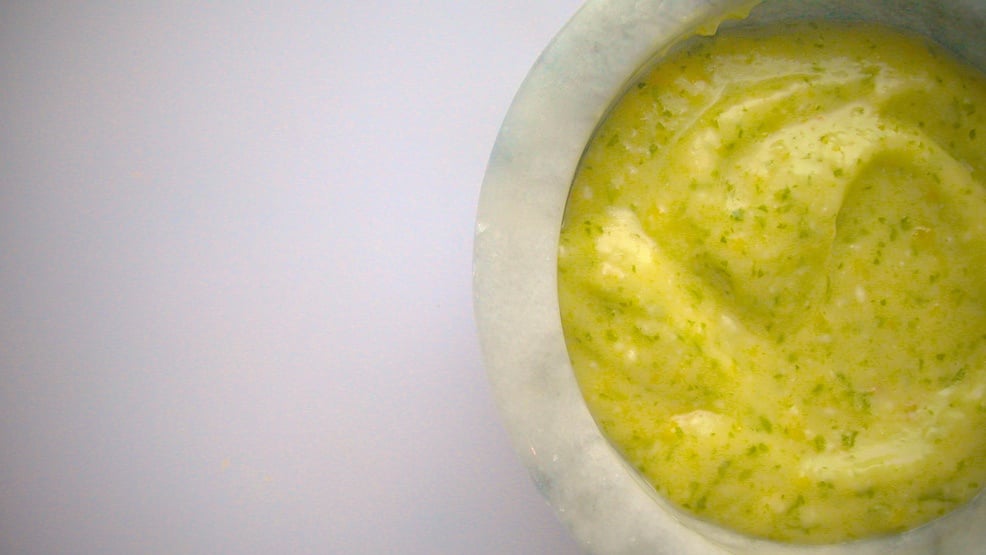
{"x": 772, "y": 279}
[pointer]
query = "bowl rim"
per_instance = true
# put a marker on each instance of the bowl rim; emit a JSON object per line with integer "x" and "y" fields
{"x": 589, "y": 64}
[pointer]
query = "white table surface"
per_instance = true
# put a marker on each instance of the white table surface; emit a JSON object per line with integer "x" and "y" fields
{"x": 235, "y": 248}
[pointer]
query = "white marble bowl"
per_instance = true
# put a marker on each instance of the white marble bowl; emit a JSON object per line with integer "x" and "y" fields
{"x": 606, "y": 44}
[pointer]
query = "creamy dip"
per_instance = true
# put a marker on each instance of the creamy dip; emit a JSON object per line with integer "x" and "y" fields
{"x": 772, "y": 277}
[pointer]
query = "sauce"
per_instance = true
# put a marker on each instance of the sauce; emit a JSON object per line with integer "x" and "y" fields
{"x": 772, "y": 277}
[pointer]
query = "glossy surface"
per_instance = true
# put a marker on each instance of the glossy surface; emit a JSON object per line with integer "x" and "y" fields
{"x": 770, "y": 279}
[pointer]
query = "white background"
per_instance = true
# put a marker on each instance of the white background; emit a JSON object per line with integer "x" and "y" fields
{"x": 235, "y": 282}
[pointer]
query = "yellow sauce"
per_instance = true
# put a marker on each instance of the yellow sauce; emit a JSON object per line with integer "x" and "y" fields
{"x": 772, "y": 276}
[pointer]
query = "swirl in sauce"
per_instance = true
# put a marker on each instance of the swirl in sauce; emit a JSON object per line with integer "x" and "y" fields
{"x": 772, "y": 277}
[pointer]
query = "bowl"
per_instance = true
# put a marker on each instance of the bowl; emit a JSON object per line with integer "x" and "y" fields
{"x": 606, "y": 45}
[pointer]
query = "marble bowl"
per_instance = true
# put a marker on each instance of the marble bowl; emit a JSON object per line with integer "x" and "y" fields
{"x": 586, "y": 67}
